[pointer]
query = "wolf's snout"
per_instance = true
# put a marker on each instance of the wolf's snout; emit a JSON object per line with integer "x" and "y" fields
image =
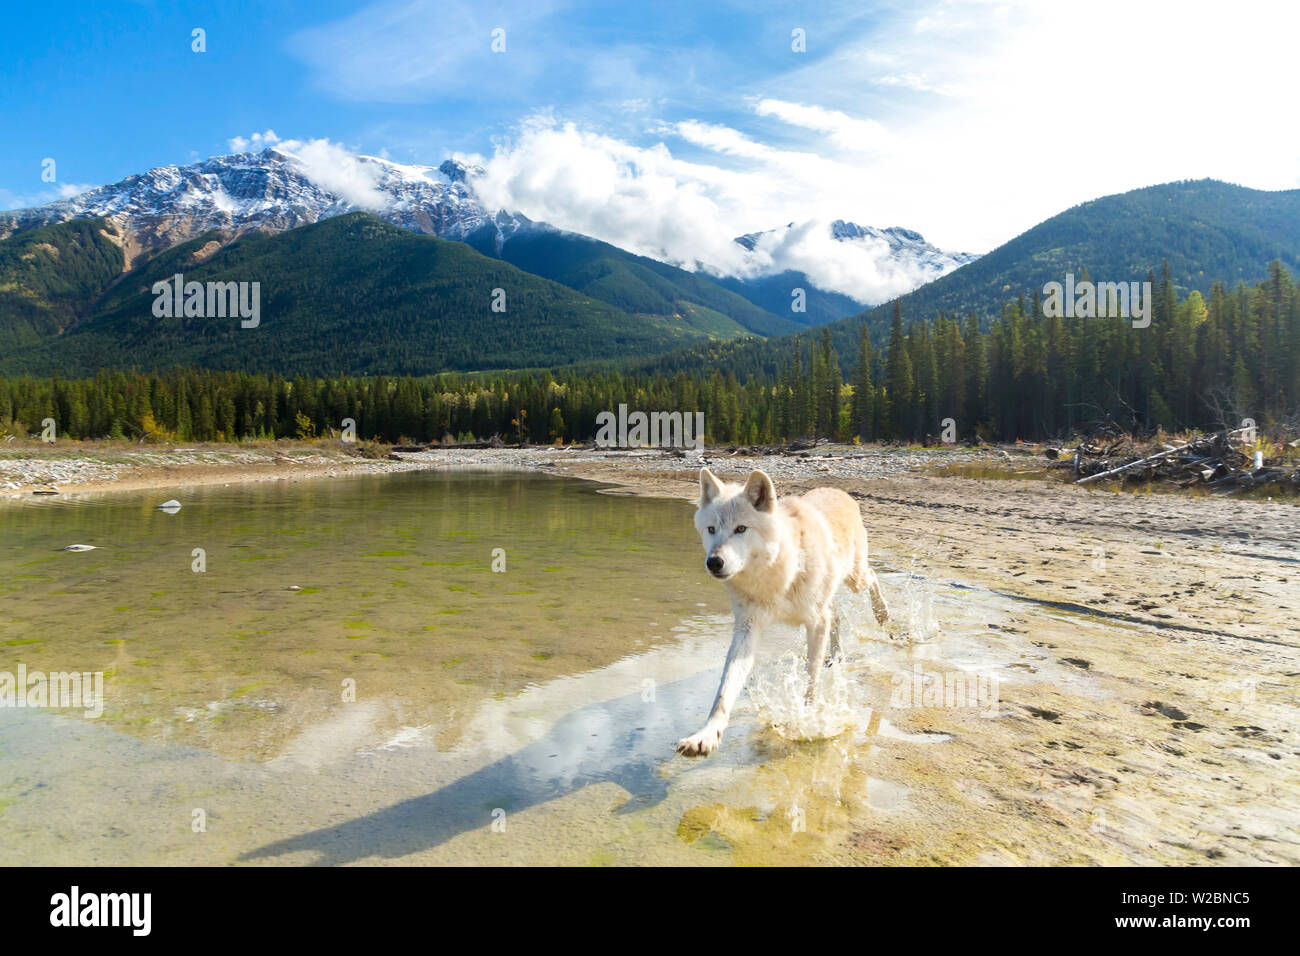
{"x": 714, "y": 564}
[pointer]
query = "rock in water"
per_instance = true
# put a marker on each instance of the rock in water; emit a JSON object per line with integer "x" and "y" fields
{"x": 171, "y": 507}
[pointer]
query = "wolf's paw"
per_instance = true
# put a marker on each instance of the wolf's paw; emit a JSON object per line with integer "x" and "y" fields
{"x": 701, "y": 744}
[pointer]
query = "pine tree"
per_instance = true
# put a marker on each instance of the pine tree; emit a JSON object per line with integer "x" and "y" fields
{"x": 864, "y": 425}
{"x": 901, "y": 382}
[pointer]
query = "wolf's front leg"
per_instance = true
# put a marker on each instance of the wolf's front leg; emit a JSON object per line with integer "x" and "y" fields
{"x": 819, "y": 630}
{"x": 740, "y": 661}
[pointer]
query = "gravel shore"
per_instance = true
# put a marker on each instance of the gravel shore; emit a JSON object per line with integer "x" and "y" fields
{"x": 70, "y": 469}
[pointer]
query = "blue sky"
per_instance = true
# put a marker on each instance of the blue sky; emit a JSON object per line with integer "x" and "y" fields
{"x": 117, "y": 89}
{"x": 653, "y": 124}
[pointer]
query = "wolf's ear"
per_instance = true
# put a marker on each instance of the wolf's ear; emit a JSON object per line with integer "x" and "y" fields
{"x": 709, "y": 486}
{"x": 759, "y": 490}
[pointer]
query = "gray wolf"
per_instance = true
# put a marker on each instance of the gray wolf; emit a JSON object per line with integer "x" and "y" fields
{"x": 781, "y": 560}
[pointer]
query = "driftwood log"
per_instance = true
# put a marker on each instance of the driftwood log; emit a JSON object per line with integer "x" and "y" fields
{"x": 1131, "y": 465}
{"x": 1218, "y": 460}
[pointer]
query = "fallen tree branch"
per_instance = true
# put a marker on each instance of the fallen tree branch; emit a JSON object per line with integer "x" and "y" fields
{"x": 1133, "y": 464}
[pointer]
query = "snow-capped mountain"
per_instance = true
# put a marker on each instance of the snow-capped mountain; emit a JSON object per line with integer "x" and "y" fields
{"x": 295, "y": 184}
{"x": 274, "y": 190}
{"x": 865, "y": 264}
{"x": 880, "y": 263}
{"x": 903, "y": 244}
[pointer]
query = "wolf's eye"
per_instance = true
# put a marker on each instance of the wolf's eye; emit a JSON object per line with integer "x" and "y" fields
{"x": 712, "y": 530}
{"x": 740, "y": 529}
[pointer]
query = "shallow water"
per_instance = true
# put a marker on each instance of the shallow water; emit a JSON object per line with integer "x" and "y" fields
{"x": 397, "y": 592}
{"x": 409, "y": 703}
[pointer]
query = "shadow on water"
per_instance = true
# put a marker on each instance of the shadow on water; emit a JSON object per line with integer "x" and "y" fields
{"x": 623, "y": 741}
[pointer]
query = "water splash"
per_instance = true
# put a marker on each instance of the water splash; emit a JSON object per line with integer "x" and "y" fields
{"x": 778, "y": 686}
{"x": 914, "y": 620}
{"x": 778, "y": 690}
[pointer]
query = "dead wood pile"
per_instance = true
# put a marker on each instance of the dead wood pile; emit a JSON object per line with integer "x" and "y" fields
{"x": 1223, "y": 460}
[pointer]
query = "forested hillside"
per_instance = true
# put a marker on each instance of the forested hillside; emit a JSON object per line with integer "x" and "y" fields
{"x": 1203, "y": 362}
{"x": 1206, "y": 231}
{"x": 774, "y": 293}
{"x": 353, "y": 295}
{"x": 634, "y": 283}
{"x": 51, "y": 276}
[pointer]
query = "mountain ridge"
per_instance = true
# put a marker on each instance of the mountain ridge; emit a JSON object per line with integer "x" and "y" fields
{"x": 1233, "y": 231}
{"x": 278, "y": 189}
{"x": 1208, "y": 230}
{"x": 352, "y": 294}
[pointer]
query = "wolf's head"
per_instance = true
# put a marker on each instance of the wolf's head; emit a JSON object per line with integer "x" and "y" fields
{"x": 736, "y": 523}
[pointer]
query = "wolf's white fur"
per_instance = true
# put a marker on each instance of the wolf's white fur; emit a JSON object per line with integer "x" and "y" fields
{"x": 785, "y": 565}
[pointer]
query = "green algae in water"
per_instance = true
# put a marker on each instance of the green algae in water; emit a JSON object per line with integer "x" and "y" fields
{"x": 270, "y": 545}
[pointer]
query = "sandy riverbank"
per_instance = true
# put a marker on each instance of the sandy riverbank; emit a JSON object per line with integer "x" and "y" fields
{"x": 1151, "y": 649}
{"x": 1177, "y": 739}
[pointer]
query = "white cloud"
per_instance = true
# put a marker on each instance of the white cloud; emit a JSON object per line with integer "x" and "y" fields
{"x": 918, "y": 81}
{"x": 722, "y": 139}
{"x": 15, "y": 200}
{"x": 642, "y": 199}
{"x": 861, "y": 268}
{"x": 649, "y": 201}
{"x": 1005, "y": 113}
{"x": 334, "y": 168}
{"x": 843, "y": 131}
{"x": 329, "y": 165}
{"x": 258, "y": 141}
{"x": 67, "y": 190}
